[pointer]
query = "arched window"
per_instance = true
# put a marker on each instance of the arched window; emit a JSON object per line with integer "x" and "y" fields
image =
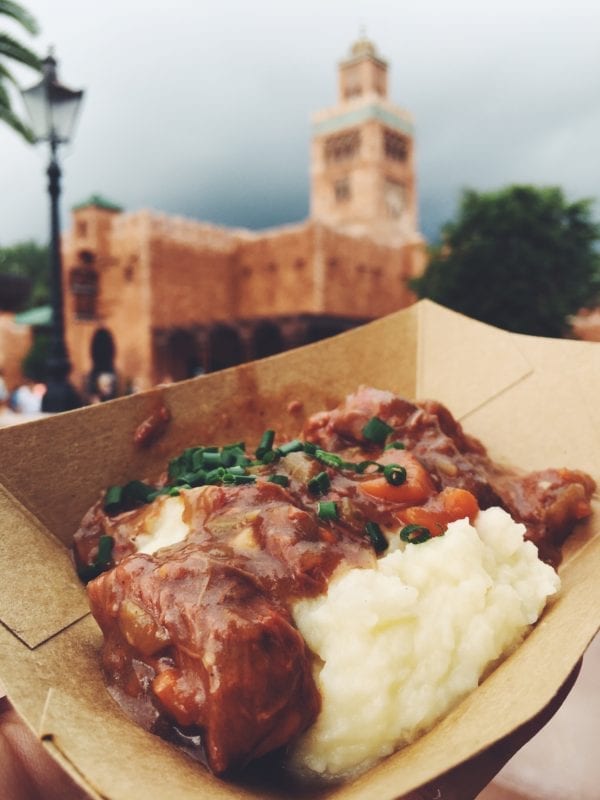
{"x": 83, "y": 282}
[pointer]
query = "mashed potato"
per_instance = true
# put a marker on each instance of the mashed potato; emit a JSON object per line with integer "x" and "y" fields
{"x": 400, "y": 644}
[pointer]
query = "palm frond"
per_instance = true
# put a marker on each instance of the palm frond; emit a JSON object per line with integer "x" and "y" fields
{"x": 10, "y": 48}
{"x": 5, "y": 74}
{"x": 8, "y": 8}
{"x": 8, "y": 116}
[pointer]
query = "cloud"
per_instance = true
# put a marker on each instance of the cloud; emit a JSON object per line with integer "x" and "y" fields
{"x": 204, "y": 109}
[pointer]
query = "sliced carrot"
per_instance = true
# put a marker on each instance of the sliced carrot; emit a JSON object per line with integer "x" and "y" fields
{"x": 447, "y": 506}
{"x": 416, "y": 489}
{"x": 459, "y": 503}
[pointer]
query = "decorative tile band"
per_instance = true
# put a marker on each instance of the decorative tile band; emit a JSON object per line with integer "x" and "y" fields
{"x": 355, "y": 117}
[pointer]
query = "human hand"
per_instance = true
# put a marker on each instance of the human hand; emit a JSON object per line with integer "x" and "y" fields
{"x": 27, "y": 770}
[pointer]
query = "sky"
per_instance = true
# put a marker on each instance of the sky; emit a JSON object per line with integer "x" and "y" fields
{"x": 202, "y": 109}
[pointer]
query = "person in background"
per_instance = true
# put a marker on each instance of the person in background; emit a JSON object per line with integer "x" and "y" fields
{"x": 26, "y": 400}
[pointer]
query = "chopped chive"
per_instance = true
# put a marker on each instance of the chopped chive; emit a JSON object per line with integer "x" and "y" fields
{"x": 236, "y": 470}
{"x": 112, "y": 498}
{"x": 395, "y": 446}
{"x": 320, "y": 484}
{"x": 105, "y": 547}
{"x": 228, "y": 458}
{"x": 290, "y": 447}
{"x": 394, "y": 474}
{"x": 310, "y": 448}
{"x": 198, "y": 458}
{"x": 102, "y": 560}
{"x": 331, "y": 459}
{"x": 211, "y": 459}
{"x": 265, "y": 444}
{"x": 239, "y": 479}
{"x": 280, "y": 480}
{"x": 375, "y": 534}
{"x": 270, "y": 456}
{"x": 363, "y": 466}
{"x": 376, "y": 430}
{"x": 415, "y": 534}
{"x": 215, "y": 475}
{"x": 327, "y": 510}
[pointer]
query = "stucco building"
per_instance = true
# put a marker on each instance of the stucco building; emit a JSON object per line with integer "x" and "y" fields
{"x": 159, "y": 297}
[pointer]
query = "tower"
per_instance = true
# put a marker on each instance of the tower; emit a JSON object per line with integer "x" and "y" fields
{"x": 362, "y": 155}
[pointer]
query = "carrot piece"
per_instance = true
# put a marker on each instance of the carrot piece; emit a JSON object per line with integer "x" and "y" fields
{"x": 416, "y": 489}
{"x": 447, "y": 506}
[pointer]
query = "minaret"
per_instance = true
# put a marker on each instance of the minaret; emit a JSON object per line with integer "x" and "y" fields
{"x": 362, "y": 159}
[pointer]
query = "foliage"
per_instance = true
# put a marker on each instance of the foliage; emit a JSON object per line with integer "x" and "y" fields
{"x": 28, "y": 260}
{"x": 13, "y": 52}
{"x": 522, "y": 258}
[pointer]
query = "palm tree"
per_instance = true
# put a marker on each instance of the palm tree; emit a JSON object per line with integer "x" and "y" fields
{"x": 14, "y": 52}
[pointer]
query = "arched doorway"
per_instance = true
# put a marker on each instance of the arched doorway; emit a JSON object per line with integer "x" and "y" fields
{"x": 225, "y": 348}
{"x": 102, "y": 380}
{"x": 267, "y": 340}
{"x": 182, "y": 360}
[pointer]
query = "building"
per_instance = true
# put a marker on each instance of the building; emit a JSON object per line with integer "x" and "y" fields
{"x": 158, "y": 297}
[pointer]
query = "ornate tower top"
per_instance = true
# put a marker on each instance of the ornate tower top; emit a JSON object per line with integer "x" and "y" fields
{"x": 363, "y": 72}
{"x": 362, "y": 159}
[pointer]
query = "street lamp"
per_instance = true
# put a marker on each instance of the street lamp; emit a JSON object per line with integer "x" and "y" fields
{"x": 53, "y": 109}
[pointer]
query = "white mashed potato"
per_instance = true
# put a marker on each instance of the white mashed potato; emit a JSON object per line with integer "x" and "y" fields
{"x": 400, "y": 644}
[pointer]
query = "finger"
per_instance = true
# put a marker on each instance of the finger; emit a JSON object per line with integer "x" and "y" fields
{"x": 27, "y": 771}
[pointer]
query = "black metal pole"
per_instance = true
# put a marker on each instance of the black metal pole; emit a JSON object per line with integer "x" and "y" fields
{"x": 60, "y": 395}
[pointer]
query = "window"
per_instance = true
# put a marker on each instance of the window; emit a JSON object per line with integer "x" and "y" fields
{"x": 341, "y": 190}
{"x": 395, "y": 198}
{"x": 395, "y": 146}
{"x": 83, "y": 282}
{"x": 342, "y": 146}
{"x": 81, "y": 228}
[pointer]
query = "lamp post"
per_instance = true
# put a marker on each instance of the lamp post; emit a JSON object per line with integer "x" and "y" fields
{"x": 53, "y": 110}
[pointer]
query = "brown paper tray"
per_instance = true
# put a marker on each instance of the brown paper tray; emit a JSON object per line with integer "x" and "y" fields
{"x": 533, "y": 401}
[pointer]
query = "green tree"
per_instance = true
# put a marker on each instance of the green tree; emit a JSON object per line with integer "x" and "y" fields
{"x": 13, "y": 52}
{"x": 31, "y": 261}
{"x": 522, "y": 258}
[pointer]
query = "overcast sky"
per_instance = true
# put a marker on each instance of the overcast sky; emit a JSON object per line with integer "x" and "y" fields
{"x": 203, "y": 108}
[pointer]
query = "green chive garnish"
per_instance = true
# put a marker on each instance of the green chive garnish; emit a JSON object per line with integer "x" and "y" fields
{"x": 327, "y": 510}
{"x": 375, "y": 534}
{"x": 415, "y": 534}
{"x": 395, "y": 446}
{"x": 102, "y": 560}
{"x": 280, "y": 480}
{"x": 394, "y": 474}
{"x": 239, "y": 479}
{"x": 320, "y": 484}
{"x": 376, "y": 430}
{"x": 266, "y": 443}
{"x": 290, "y": 447}
{"x": 112, "y": 499}
{"x": 331, "y": 459}
{"x": 310, "y": 448}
